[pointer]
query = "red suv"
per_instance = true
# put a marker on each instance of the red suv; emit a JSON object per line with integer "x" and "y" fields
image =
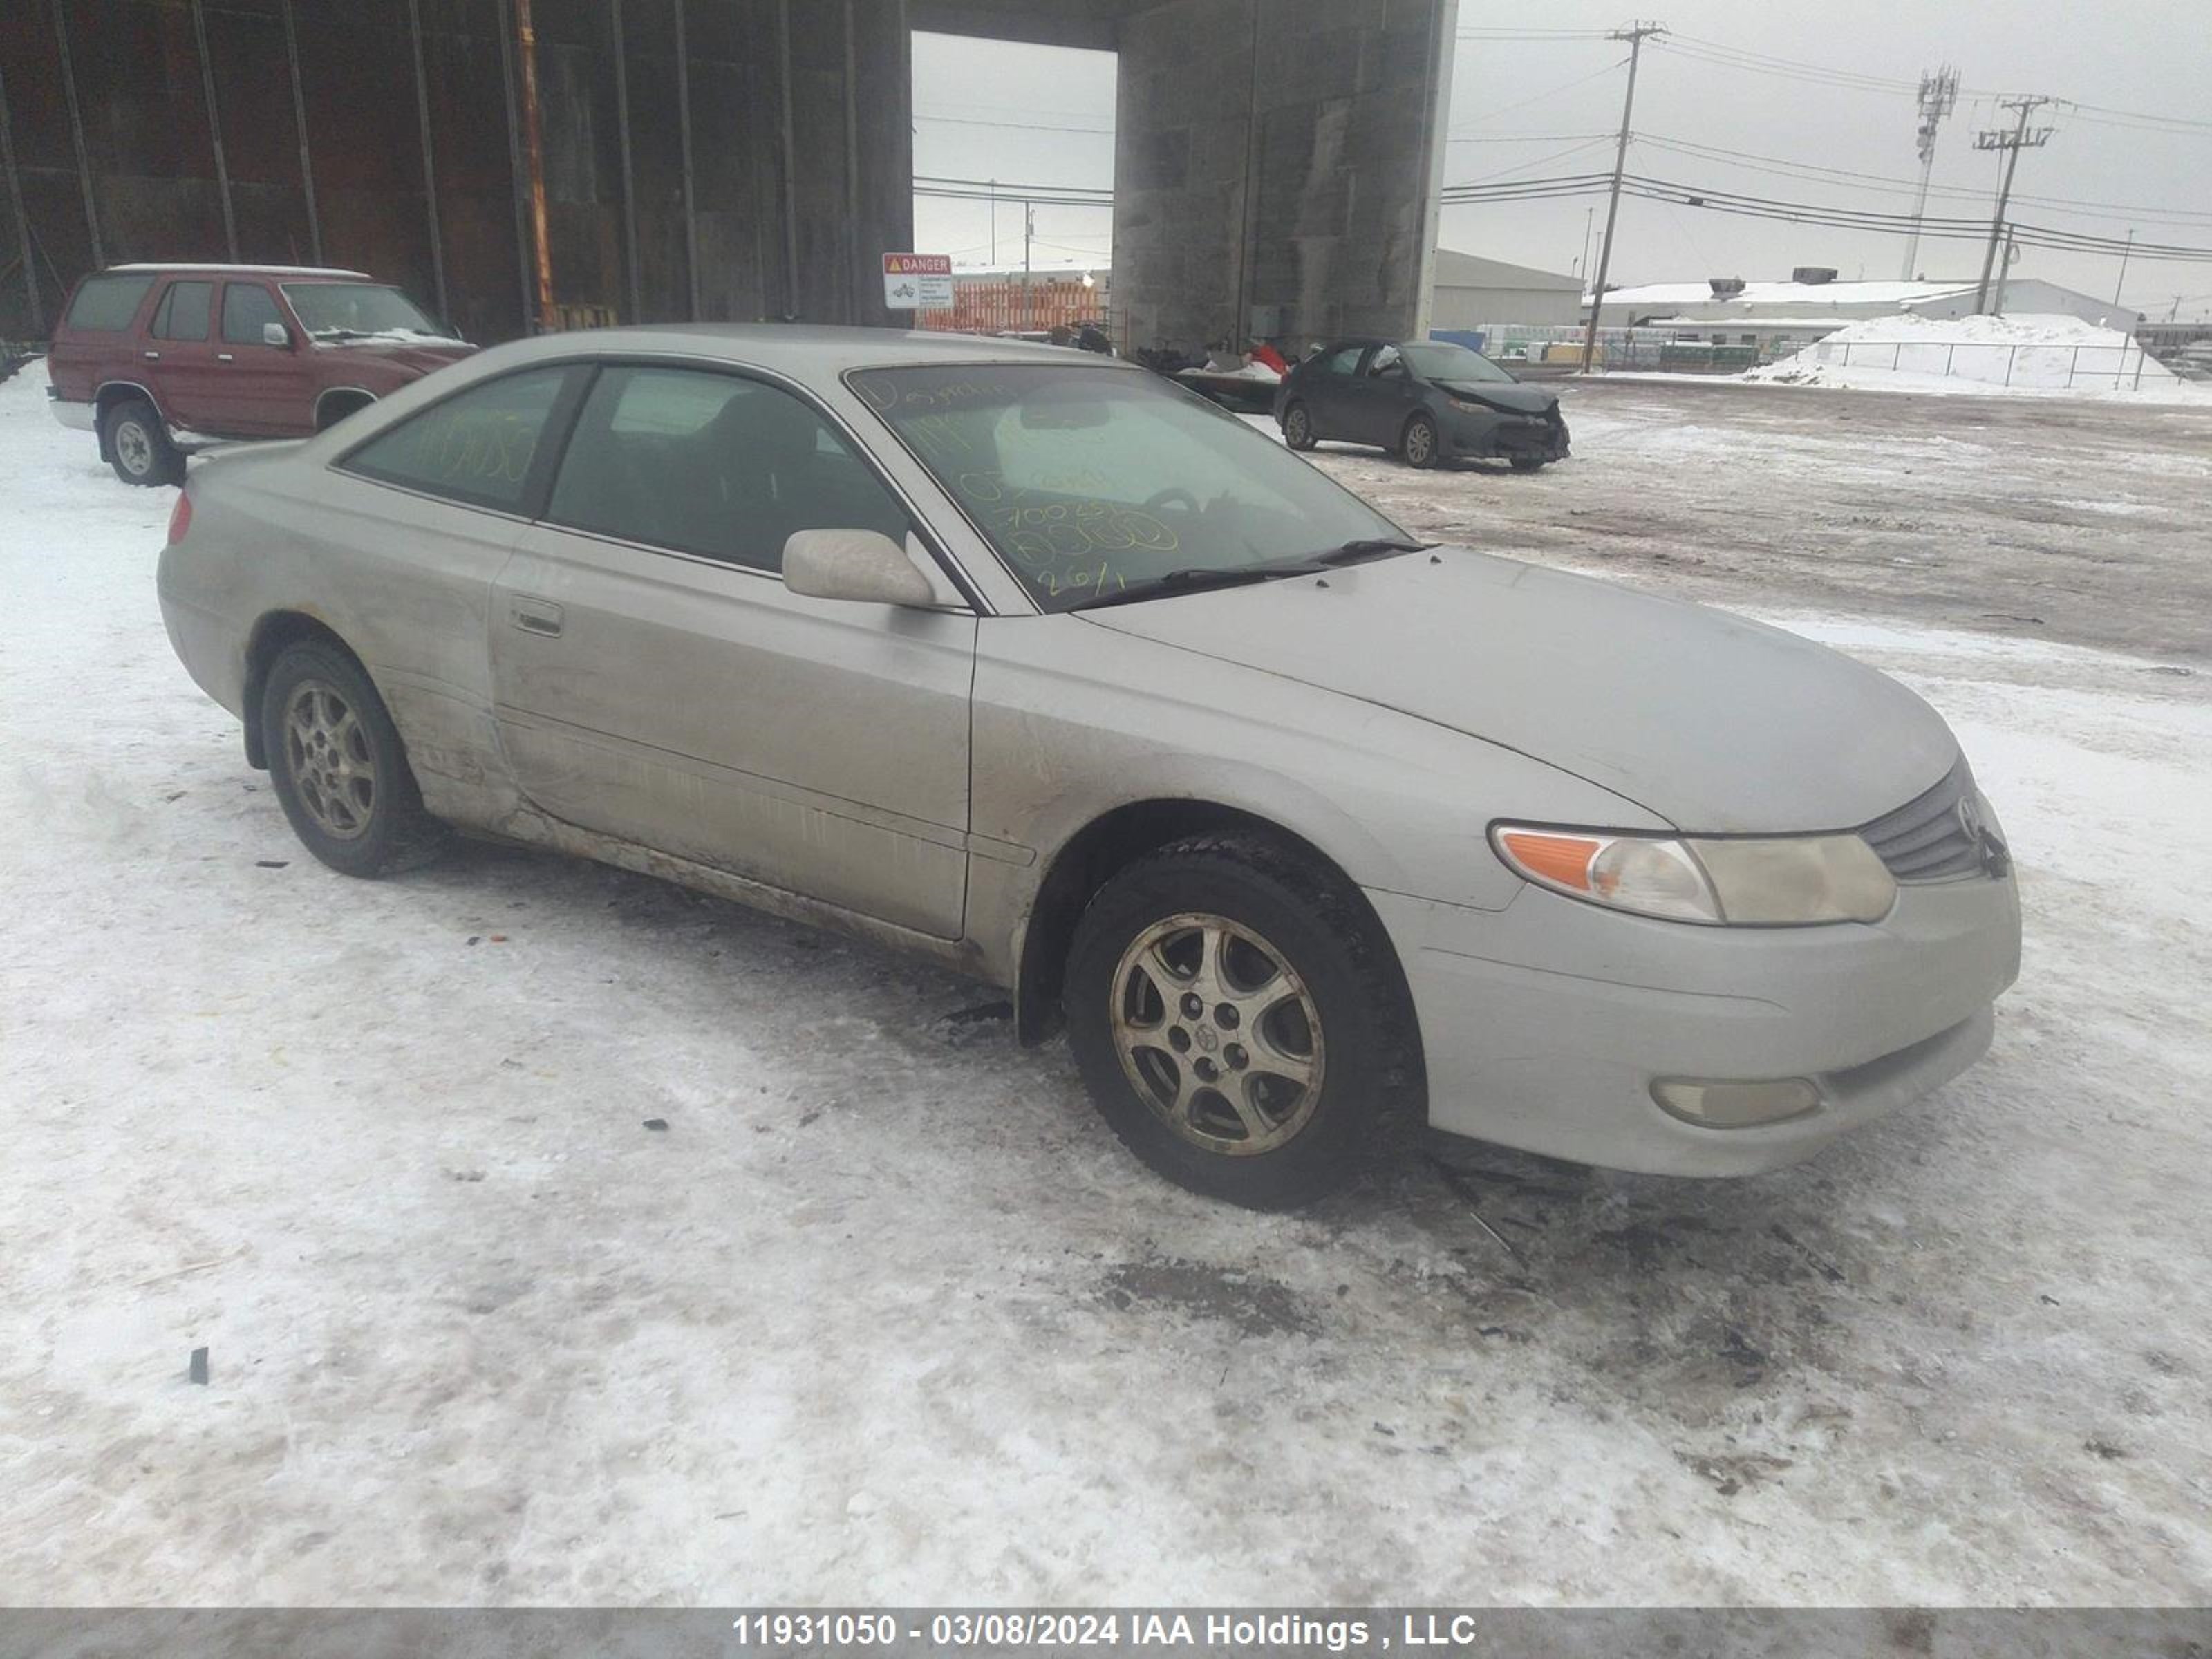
{"x": 159, "y": 360}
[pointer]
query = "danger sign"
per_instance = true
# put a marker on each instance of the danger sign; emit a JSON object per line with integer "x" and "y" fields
{"x": 918, "y": 282}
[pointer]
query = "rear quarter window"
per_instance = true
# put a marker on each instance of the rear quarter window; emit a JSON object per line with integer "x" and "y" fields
{"x": 106, "y": 305}
{"x": 478, "y": 447}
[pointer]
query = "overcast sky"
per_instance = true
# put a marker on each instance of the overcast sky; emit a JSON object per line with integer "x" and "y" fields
{"x": 2148, "y": 56}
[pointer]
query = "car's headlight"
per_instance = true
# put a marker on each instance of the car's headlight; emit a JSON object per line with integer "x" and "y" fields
{"x": 1784, "y": 880}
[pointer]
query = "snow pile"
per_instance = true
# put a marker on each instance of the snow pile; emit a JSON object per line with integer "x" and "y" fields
{"x": 2024, "y": 353}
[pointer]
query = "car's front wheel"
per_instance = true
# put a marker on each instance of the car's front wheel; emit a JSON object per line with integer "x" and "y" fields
{"x": 1298, "y": 428}
{"x": 1239, "y": 1019}
{"x": 1419, "y": 443}
{"x": 339, "y": 771}
{"x": 138, "y": 445}
{"x": 1528, "y": 463}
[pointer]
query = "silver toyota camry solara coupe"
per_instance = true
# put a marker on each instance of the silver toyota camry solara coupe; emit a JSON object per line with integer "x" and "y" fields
{"x": 1037, "y": 665}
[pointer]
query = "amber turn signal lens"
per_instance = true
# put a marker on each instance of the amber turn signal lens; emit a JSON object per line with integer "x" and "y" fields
{"x": 1562, "y": 859}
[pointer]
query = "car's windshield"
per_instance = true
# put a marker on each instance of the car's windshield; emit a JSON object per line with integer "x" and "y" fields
{"x": 338, "y": 309}
{"x": 1091, "y": 482}
{"x": 1440, "y": 359}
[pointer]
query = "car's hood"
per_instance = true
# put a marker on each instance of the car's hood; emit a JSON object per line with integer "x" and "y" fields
{"x": 1503, "y": 394}
{"x": 1717, "y": 724}
{"x": 414, "y": 358}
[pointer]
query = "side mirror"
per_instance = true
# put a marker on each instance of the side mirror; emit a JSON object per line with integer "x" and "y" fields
{"x": 276, "y": 334}
{"x": 862, "y": 565}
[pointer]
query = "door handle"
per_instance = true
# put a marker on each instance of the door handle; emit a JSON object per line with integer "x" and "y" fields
{"x": 224, "y": 357}
{"x": 535, "y": 617}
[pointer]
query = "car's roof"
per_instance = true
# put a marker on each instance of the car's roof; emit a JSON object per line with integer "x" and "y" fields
{"x": 218, "y": 267}
{"x": 804, "y": 349}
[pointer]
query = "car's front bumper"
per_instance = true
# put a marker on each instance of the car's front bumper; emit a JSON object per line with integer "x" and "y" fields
{"x": 1545, "y": 1025}
{"x": 77, "y": 416}
{"x": 1484, "y": 434}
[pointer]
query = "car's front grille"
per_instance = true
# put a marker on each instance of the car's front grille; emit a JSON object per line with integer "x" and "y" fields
{"x": 1928, "y": 839}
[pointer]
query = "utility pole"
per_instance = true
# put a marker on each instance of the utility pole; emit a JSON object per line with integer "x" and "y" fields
{"x": 1939, "y": 92}
{"x": 2124, "y": 252}
{"x": 1582, "y": 265}
{"x": 1634, "y": 34}
{"x": 1029, "y": 229}
{"x": 994, "y": 224}
{"x": 2012, "y": 143}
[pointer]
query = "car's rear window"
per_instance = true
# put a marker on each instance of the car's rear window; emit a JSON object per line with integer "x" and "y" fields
{"x": 106, "y": 305}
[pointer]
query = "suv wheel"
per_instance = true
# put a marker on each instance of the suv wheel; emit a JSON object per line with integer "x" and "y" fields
{"x": 1298, "y": 428}
{"x": 1239, "y": 1019}
{"x": 138, "y": 445}
{"x": 339, "y": 771}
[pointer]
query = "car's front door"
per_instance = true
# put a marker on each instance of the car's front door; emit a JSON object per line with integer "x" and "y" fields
{"x": 1380, "y": 397}
{"x": 655, "y": 680}
{"x": 261, "y": 389}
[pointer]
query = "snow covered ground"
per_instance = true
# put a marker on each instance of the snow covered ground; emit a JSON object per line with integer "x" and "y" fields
{"x": 884, "y": 1314}
{"x": 2022, "y": 354}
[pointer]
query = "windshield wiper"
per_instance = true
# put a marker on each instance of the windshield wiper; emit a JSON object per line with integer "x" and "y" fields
{"x": 1196, "y": 578}
{"x": 1374, "y": 547}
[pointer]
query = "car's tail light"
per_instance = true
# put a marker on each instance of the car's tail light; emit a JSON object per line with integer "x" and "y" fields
{"x": 180, "y": 517}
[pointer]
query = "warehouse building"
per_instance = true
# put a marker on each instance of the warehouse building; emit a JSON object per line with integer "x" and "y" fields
{"x": 1472, "y": 292}
{"x": 1813, "y": 301}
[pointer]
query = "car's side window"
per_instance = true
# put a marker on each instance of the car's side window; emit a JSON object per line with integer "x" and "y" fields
{"x": 184, "y": 312}
{"x": 245, "y": 307}
{"x": 475, "y": 447}
{"x": 714, "y": 465}
{"x": 1387, "y": 364}
{"x": 106, "y": 305}
{"x": 1343, "y": 361}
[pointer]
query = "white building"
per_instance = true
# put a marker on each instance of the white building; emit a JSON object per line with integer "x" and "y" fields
{"x": 1809, "y": 308}
{"x": 1472, "y": 292}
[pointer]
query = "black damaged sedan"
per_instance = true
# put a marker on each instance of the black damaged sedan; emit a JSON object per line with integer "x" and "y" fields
{"x": 1427, "y": 400}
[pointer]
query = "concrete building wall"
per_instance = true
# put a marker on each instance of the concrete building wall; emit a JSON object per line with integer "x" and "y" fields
{"x": 1277, "y": 160}
{"x": 1275, "y": 169}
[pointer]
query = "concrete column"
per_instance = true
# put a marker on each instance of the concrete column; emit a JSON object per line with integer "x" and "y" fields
{"x": 1276, "y": 165}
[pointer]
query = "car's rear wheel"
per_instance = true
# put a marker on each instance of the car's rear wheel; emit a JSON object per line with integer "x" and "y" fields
{"x": 339, "y": 770}
{"x": 1418, "y": 444}
{"x": 1526, "y": 463}
{"x": 1239, "y": 1019}
{"x": 1298, "y": 428}
{"x": 138, "y": 445}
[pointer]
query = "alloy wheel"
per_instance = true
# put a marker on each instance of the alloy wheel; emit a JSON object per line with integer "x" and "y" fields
{"x": 332, "y": 768}
{"x": 1420, "y": 442}
{"x": 1217, "y": 1034}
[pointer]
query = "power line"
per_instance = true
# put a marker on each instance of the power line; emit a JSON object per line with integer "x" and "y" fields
{"x": 1530, "y": 139}
{"x": 1849, "y": 179}
{"x": 1714, "y": 54}
{"x": 1548, "y": 92}
{"x": 1018, "y": 126}
{"x": 1572, "y": 149}
{"x": 1677, "y": 194}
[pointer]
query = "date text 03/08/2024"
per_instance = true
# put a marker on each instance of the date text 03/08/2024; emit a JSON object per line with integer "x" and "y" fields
{"x": 1000, "y": 1628}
